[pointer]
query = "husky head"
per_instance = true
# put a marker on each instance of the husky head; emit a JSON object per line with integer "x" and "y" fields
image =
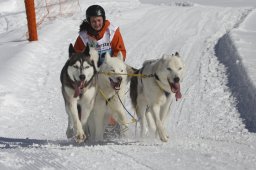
{"x": 114, "y": 71}
{"x": 170, "y": 72}
{"x": 81, "y": 67}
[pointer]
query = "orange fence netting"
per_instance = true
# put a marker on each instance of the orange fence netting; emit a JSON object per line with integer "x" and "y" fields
{"x": 49, "y": 9}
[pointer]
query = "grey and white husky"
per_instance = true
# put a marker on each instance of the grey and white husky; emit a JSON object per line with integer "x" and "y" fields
{"x": 152, "y": 95}
{"x": 79, "y": 89}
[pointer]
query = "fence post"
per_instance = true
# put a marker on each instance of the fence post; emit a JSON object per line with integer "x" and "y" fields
{"x": 31, "y": 18}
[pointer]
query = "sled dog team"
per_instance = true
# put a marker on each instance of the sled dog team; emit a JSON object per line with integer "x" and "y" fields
{"x": 91, "y": 93}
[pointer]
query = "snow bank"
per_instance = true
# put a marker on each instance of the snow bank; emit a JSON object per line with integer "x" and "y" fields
{"x": 238, "y": 81}
{"x": 236, "y": 51}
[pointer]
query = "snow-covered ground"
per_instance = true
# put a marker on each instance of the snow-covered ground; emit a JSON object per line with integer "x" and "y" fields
{"x": 212, "y": 127}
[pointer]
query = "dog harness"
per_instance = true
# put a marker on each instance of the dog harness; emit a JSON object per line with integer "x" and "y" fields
{"x": 177, "y": 94}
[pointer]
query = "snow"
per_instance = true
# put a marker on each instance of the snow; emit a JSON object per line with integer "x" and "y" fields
{"x": 212, "y": 127}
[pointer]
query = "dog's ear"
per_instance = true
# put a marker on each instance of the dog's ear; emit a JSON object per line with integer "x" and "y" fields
{"x": 163, "y": 59}
{"x": 87, "y": 50}
{"x": 107, "y": 57}
{"x": 120, "y": 55}
{"x": 177, "y": 54}
{"x": 130, "y": 69}
{"x": 164, "y": 56}
{"x": 94, "y": 56}
{"x": 71, "y": 49}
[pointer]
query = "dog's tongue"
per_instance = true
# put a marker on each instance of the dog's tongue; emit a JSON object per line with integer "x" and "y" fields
{"x": 78, "y": 88}
{"x": 115, "y": 85}
{"x": 176, "y": 89}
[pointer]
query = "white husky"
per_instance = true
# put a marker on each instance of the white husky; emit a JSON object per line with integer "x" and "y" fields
{"x": 79, "y": 89}
{"x": 152, "y": 95}
{"x": 111, "y": 82}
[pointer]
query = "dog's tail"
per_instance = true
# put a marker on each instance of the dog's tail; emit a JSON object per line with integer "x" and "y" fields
{"x": 134, "y": 90}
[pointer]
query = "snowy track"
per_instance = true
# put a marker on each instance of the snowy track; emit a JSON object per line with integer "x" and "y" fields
{"x": 205, "y": 127}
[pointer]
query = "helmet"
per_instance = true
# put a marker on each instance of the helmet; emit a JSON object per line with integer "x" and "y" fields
{"x": 95, "y": 10}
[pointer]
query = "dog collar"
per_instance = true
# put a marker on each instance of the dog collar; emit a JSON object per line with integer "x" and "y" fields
{"x": 165, "y": 92}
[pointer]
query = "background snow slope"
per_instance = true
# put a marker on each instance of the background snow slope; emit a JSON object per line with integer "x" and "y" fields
{"x": 211, "y": 127}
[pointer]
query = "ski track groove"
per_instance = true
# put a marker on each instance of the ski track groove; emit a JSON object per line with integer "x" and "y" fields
{"x": 44, "y": 159}
{"x": 131, "y": 158}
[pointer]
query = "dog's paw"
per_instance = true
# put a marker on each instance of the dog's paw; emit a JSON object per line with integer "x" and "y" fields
{"x": 164, "y": 139}
{"x": 144, "y": 132}
{"x": 167, "y": 136}
{"x": 69, "y": 133}
{"x": 163, "y": 136}
{"x": 79, "y": 138}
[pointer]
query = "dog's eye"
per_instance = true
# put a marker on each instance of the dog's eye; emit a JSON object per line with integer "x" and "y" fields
{"x": 113, "y": 71}
{"x": 76, "y": 67}
{"x": 180, "y": 68}
{"x": 122, "y": 71}
{"x": 169, "y": 69}
{"x": 86, "y": 67}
